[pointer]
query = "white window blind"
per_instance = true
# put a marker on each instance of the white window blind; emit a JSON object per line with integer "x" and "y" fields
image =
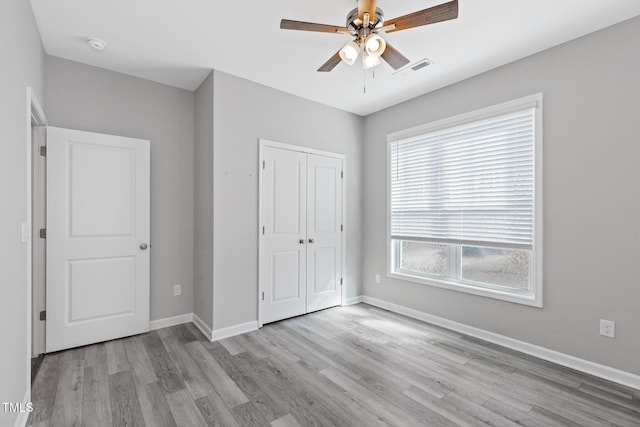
{"x": 470, "y": 184}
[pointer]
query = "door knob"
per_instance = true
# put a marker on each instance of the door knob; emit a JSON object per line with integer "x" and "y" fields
{"x": 144, "y": 246}
{"x": 310, "y": 240}
{"x": 301, "y": 241}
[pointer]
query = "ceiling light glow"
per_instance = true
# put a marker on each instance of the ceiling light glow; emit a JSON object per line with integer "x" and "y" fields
{"x": 370, "y": 61}
{"x": 373, "y": 45}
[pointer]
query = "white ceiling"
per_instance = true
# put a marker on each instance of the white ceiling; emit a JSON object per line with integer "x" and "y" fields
{"x": 178, "y": 42}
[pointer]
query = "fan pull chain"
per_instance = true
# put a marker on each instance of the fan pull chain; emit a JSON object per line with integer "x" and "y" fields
{"x": 364, "y": 80}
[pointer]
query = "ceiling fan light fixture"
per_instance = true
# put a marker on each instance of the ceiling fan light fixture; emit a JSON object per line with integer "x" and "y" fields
{"x": 370, "y": 61}
{"x": 349, "y": 53}
{"x": 375, "y": 45}
{"x": 364, "y": 23}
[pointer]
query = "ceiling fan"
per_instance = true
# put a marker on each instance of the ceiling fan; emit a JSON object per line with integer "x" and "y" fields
{"x": 365, "y": 23}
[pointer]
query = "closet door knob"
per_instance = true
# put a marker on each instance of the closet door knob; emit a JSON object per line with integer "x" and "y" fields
{"x": 143, "y": 246}
{"x": 310, "y": 240}
{"x": 301, "y": 241}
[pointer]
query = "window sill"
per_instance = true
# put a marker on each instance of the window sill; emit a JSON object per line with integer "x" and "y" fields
{"x": 531, "y": 299}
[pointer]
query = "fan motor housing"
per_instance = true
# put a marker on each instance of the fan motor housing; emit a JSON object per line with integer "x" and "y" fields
{"x": 353, "y": 21}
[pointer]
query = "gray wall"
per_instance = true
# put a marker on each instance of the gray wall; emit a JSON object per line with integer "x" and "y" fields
{"x": 203, "y": 199}
{"x": 244, "y": 112}
{"x": 96, "y": 100}
{"x": 591, "y": 90}
{"x": 22, "y": 66}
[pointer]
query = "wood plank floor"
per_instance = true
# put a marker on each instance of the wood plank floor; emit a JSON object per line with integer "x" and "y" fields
{"x": 346, "y": 366}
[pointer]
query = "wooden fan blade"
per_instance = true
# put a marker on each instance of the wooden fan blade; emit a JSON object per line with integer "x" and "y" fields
{"x": 287, "y": 24}
{"x": 331, "y": 63}
{"x": 443, "y": 12}
{"x": 365, "y": 6}
{"x": 394, "y": 58}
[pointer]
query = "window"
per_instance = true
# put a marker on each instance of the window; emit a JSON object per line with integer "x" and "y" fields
{"x": 465, "y": 202}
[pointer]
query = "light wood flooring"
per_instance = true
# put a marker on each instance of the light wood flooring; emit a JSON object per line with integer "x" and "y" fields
{"x": 351, "y": 366}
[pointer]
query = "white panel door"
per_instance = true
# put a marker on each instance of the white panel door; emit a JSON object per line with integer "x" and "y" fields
{"x": 98, "y": 207}
{"x": 284, "y": 218}
{"x": 324, "y": 235}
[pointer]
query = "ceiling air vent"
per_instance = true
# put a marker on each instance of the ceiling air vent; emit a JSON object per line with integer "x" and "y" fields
{"x": 416, "y": 66}
{"x": 420, "y": 65}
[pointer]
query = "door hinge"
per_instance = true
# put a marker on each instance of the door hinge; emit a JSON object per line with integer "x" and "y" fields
{"x": 264, "y": 164}
{"x": 263, "y": 229}
{"x": 341, "y": 227}
{"x": 263, "y": 296}
{"x": 43, "y": 233}
{"x": 341, "y": 174}
{"x": 43, "y": 151}
{"x": 341, "y": 280}
{"x": 43, "y": 315}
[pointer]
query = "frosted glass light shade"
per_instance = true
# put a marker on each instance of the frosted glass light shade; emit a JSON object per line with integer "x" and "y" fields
{"x": 349, "y": 53}
{"x": 375, "y": 45}
{"x": 370, "y": 61}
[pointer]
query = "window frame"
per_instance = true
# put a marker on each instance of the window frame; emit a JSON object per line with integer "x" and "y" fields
{"x": 534, "y": 297}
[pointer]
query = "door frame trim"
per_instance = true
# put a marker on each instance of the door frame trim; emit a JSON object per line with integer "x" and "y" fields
{"x": 34, "y": 115}
{"x": 38, "y": 248}
{"x": 264, "y": 143}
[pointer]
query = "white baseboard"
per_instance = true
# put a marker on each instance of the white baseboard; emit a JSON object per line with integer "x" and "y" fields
{"x": 204, "y": 328}
{"x": 170, "y": 321}
{"x": 23, "y": 417}
{"x": 212, "y": 335}
{"x": 592, "y": 368}
{"x": 353, "y": 300}
{"x": 242, "y": 328}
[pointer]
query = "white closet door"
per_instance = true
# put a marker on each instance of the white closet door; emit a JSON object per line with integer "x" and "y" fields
{"x": 324, "y": 235}
{"x": 98, "y": 208}
{"x": 301, "y": 255}
{"x": 284, "y": 217}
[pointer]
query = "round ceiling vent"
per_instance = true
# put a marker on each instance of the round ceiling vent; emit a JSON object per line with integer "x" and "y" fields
{"x": 96, "y": 44}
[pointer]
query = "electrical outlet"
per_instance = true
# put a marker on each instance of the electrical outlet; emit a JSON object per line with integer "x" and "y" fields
{"x": 177, "y": 290}
{"x": 377, "y": 278}
{"x": 607, "y": 328}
